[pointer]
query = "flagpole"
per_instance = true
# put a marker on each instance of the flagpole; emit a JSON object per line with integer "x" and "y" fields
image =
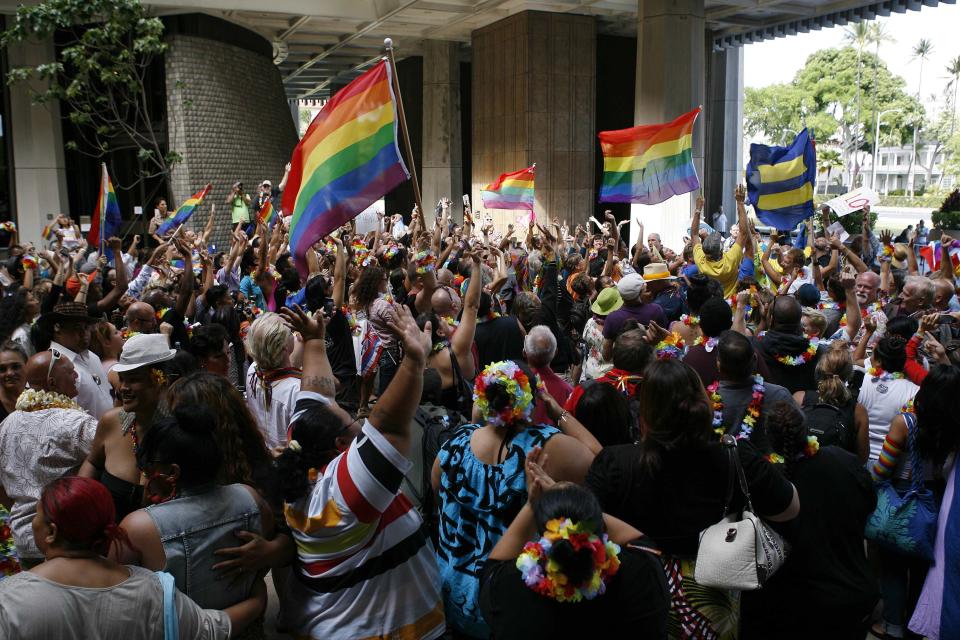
{"x": 103, "y": 202}
{"x": 388, "y": 43}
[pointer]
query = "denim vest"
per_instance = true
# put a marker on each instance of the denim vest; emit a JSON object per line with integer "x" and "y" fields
{"x": 194, "y": 525}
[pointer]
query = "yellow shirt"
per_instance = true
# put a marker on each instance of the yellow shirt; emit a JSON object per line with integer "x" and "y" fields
{"x": 725, "y": 270}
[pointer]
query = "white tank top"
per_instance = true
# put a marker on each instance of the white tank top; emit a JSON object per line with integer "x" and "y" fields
{"x": 883, "y": 400}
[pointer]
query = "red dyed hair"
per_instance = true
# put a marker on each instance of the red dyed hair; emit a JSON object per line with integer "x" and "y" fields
{"x": 83, "y": 511}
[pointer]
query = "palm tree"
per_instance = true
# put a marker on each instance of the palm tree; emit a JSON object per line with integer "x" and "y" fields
{"x": 921, "y": 51}
{"x": 857, "y": 35}
{"x": 829, "y": 159}
{"x": 953, "y": 73}
{"x": 878, "y": 35}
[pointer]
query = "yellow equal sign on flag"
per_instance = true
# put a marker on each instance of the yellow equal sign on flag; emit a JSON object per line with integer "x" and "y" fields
{"x": 781, "y": 181}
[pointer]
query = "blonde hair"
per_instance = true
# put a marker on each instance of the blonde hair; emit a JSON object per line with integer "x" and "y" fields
{"x": 267, "y": 340}
{"x": 817, "y": 320}
{"x": 833, "y": 370}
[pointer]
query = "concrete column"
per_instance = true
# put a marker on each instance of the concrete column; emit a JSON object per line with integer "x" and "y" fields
{"x": 670, "y": 81}
{"x": 442, "y": 157}
{"x": 724, "y": 127}
{"x": 38, "y": 161}
{"x": 534, "y": 85}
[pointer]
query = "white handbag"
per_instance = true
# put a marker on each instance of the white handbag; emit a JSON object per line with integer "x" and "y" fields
{"x": 740, "y": 552}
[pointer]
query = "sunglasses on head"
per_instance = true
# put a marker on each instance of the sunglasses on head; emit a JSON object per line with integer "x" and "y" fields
{"x": 54, "y": 356}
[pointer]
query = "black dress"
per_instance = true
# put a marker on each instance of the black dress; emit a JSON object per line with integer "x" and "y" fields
{"x": 636, "y": 603}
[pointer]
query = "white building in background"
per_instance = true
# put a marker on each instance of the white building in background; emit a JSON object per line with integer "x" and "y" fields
{"x": 893, "y": 169}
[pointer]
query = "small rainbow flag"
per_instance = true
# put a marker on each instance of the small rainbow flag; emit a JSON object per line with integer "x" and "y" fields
{"x": 347, "y": 160}
{"x": 267, "y": 214}
{"x": 183, "y": 213}
{"x": 510, "y": 191}
{"x": 650, "y": 163}
{"x": 47, "y": 232}
{"x": 105, "y": 221}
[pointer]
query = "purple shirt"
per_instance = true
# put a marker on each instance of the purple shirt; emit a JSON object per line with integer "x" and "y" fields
{"x": 559, "y": 388}
{"x": 642, "y": 313}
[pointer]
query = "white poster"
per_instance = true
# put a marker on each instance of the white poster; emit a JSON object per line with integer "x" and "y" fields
{"x": 853, "y": 201}
{"x": 367, "y": 220}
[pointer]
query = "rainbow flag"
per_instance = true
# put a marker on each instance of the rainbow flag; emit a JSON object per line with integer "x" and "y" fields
{"x": 347, "y": 160}
{"x": 48, "y": 231}
{"x": 650, "y": 163}
{"x": 183, "y": 213}
{"x": 510, "y": 191}
{"x": 105, "y": 221}
{"x": 267, "y": 214}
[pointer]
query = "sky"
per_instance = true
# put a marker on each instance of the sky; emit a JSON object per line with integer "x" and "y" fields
{"x": 778, "y": 60}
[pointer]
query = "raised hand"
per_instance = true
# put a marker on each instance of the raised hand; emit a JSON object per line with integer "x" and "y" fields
{"x": 740, "y": 193}
{"x": 416, "y": 343}
{"x": 848, "y": 280}
{"x": 655, "y": 333}
{"x": 537, "y": 479}
{"x": 886, "y": 237}
{"x": 700, "y": 203}
{"x": 310, "y": 328}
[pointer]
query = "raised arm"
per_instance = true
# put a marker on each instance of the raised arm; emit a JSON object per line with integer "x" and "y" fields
{"x": 775, "y": 276}
{"x": 317, "y": 372}
{"x": 339, "y": 273}
{"x": 185, "y": 294}
{"x": 854, "y": 320}
{"x": 112, "y": 299}
{"x": 743, "y": 222}
{"x": 946, "y": 264}
{"x": 393, "y": 413}
{"x": 462, "y": 340}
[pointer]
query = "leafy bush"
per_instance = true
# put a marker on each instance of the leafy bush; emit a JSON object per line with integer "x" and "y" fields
{"x": 948, "y": 216}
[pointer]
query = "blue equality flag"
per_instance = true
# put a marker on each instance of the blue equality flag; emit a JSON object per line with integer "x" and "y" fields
{"x": 781, "y": 181}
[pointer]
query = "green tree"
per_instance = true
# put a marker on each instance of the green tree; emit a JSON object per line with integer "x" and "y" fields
{"x": 99, "y": 74}
{"x": 822, "y": 96}
{"x": 828, "y": 160}
{"x": 879, "y": 35}
{"x": 953, "y": 83}
{"x": 921, "y": 51}
{"x": 858, "y": 36}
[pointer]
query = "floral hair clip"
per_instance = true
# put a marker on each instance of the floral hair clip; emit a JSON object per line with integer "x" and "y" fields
{"x": 542, "y": 574}
{"x": 517, "y": 384}
{"x": 671, "y": 346}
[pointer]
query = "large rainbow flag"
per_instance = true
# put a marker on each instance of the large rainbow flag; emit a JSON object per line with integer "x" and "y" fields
{"x": 183, "y": 213}
{"x": 650, "y": 163}
{"x": 347, "y": 160}
{"x": 105, "y": 221}
{"x": 510, "y": 191}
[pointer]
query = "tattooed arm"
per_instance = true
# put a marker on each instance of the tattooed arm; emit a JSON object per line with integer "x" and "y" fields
{"x": 317, "y": 373}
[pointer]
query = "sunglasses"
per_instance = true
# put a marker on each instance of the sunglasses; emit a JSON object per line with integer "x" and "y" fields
{"x": 54, "y": 356}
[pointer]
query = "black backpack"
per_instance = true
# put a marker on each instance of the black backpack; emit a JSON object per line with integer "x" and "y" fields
{"x": 830, "y": 424}
{"x": 432, "y": 427}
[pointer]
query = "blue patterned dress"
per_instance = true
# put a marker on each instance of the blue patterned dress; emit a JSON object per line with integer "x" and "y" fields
{"x": 478, "y": 502}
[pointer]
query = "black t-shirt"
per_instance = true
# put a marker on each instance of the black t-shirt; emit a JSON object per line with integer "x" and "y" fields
{"x": 339, "y": 341}
{"x": 498, "y": 339}
{"x": 827, "y": 569}
{"x": 636, "y": 604}
{"x": 705, "y": 364}
{"x": 793, "y": 377}
{"x": 686, "y": 492}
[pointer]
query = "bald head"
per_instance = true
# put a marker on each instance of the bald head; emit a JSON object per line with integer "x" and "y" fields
{"x": 444, "y": 276}
{"x": 140, "y": 317}
{"x": 445, "y": 302}
{"x": 868, "y": 284}
{"x": 787, "y": 313}
{"x": 60, "y": 378}
{"x": 943, "y": 292}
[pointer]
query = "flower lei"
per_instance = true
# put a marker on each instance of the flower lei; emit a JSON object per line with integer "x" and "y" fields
{"x": 888, "y": 251}
{"x": 690, "y": 320}
{"x": 709, "y": 344}
{"x": 908, "y": 408}
{"x": 732, "y": 301}
{"x": 804, "y": 357}
{"x": 877, "y": 374}
{"x": 30, "y": 261}
{"x": 542, "y": 574}
{"x": 360, "y": 252}
{"x": 425, "y": 261}
{"x": 810, "y": 449}
{"x": 670, "y": 347}
{"x": 866, "y": 312}
{"x": 749, "y": 418}
{"x": 38, "y": 400}
{"x": 510, "y": 376}
{"x": 351, "y": 320}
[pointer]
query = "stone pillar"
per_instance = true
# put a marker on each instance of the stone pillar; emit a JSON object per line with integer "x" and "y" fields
{"x": 38, "y": 157}
{"x": 534, "y": 84}
{"x": 670, "y": 81}
{"x": 442, "y": 154}
{"x": 724, "y": 126}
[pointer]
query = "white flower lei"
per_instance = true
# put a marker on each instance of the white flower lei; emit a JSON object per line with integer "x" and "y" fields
{"x": 37, "y": 400}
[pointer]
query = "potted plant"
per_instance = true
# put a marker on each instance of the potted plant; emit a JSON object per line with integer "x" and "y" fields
{"x": 947, "y": 217}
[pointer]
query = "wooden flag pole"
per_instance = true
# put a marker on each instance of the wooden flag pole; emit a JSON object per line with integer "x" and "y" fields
{"x": 388, "y": 43}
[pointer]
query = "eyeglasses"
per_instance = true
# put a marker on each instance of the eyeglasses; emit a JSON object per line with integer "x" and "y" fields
{"x": 54, "y": 356}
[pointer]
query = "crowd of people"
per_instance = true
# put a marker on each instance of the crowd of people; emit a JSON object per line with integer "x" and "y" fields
{"x": 438, "y": 429}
